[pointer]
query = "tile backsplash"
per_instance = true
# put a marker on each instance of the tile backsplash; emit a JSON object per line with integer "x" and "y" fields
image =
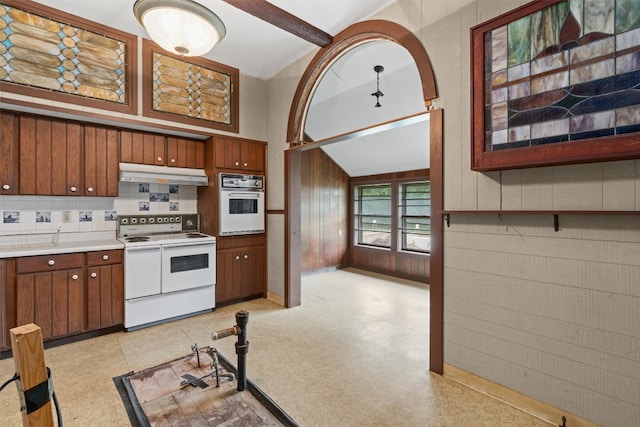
{"x": 137, "y": 199}
{"x": 44, "y": 214}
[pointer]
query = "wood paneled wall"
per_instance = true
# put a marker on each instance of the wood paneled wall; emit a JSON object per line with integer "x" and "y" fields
{"x": 326, "y": 227}
{"x": 324, "y": 212}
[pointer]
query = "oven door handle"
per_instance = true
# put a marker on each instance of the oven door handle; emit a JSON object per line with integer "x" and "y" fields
{"x": 144, "y": 249}
{"x": 245, "y": 195}
{"x": 189, "y": 245}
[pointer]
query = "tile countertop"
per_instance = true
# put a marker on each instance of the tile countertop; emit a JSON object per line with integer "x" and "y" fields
{"x": 18, "y": 245}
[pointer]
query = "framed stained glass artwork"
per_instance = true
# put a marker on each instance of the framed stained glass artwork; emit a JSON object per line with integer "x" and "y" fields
{"x": 49, "y": 54}
{"x": 190, "y": 90}
{"x": 556, "y": 82}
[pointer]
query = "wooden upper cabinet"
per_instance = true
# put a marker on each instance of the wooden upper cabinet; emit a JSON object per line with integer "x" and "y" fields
{"x": 8, "y": 154}
{"x": 63, "y": 158}
{"x": 155, "y": 151}
{"x": 101, "y": 161}
{"x": 185, "y": 153}
{"x": 51, "y": 157}
{"x": 143, "y": 148}
{"x": 239, "y": 154}
{"x": 253, "y": 155}
{"x": 152, "y": 149}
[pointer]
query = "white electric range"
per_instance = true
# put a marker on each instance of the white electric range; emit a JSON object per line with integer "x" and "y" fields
{"x": 169, "y": 268}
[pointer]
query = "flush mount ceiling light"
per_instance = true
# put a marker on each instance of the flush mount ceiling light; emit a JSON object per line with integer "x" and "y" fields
{"x": 182, "y": 27}
{"x": 378, "y": 69}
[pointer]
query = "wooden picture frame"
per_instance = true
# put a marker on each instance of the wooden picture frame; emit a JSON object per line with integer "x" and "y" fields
{"x": 182, "y": 97}
{"x": 90, "y": 64}
{"x": 554, "y": 66}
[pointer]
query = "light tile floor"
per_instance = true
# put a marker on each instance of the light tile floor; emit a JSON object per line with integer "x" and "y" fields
{"x": 355, "y": 353}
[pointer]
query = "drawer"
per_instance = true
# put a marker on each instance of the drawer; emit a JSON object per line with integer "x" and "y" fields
{"x": 104, "y": 257}
{"x": 34, "y": 264}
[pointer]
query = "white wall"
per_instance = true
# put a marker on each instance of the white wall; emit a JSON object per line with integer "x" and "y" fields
{"x": 554, "y": 315}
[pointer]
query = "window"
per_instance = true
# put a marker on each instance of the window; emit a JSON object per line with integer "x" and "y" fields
{"x": 405, "y": 226}
{"x": 415, "y": 216}
{"x": 372, "y": 214}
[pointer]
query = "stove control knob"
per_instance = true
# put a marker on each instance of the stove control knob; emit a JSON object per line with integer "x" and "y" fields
{"x": 94, "y": 275}
{"x": 166, "y": 219}
{"x": 51, "y": 262}
{"x": 152, "y": 220}
{"x": 134, "y": 220}
{"x": 125, "y": 221}
{"x": 105, "y": 257}
{"x": 74, "y": 277}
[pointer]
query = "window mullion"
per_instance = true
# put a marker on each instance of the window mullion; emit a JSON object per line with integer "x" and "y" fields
{"x": 395, "y": 213}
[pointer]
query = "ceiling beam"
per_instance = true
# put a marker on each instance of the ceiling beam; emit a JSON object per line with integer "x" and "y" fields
{"x": 282, "y": 19}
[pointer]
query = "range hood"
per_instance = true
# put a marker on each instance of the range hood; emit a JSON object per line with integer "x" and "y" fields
{"x": 130, "y": 172}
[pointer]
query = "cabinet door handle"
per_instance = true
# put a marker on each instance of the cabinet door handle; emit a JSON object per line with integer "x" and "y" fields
{"x": 74, "y": 277}
{"x": 173, "y": 160}
{"x": 51, "y": 262}
{"x": 73, "y": 189}
{"x": 90, "y": 189}
{"x": 245, "y": 164}
{"x": 237, "y": 163}
{"x": 237, "y": 257}
{"x": 159, "y": 159}
{"x": 105, "y": 257}
{"x": 94, "y": 275}
{"x": 6, "y": 187}
{"x": 246, "y": 257}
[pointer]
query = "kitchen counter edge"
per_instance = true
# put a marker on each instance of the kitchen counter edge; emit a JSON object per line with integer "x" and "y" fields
{"x": 62, "y": 248}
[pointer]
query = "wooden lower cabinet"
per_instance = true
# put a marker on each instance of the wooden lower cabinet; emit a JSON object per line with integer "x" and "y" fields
{"x": 64, "y": 294}
{"x": 52, "y": 300}
{"x": 105, "y": 289}
{"x": 241, "y": 273}
{"x": 105, "y": 296}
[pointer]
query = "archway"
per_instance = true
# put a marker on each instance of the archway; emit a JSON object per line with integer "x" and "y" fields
{"x": 351, "y": 37}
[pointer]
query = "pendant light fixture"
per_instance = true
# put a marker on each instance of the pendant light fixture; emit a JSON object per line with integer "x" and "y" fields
{"x": 182, "y": 27}
{"x": 378, "y": 69}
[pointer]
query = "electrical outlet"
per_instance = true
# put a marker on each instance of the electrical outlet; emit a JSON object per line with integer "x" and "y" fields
{"x": 66, "y": 216}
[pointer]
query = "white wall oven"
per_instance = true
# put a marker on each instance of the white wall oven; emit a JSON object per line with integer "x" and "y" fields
{"x": 241, "y": 204}
{"x": 170, "y": 268}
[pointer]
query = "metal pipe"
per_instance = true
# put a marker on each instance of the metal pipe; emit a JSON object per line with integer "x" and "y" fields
{"x": 242, "y": 348}
{"x": 234, "y": 330}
